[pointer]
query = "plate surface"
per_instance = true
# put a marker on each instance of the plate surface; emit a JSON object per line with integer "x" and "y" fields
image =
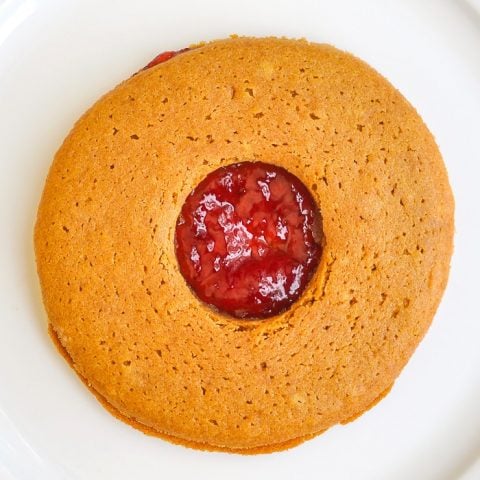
{"x": 56, "y": 58}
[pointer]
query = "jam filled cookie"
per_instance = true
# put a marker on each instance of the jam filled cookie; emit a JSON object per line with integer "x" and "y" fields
{"x": 243, "y": 244}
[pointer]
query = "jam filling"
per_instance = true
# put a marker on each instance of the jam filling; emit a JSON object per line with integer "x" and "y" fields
{"x": 248, "y": 239}
{"x": 163, "y": 57}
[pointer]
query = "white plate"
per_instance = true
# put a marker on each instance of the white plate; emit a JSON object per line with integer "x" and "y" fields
{"x": 56, "y": 58}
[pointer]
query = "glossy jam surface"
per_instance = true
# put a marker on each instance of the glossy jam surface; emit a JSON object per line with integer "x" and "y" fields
{"x": 163, "y": 57}
{"x": 248, "y": 239}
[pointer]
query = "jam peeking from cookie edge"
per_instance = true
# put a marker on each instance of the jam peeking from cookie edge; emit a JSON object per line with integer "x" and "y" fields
{"x": 164, "y": 56}
{"x": 249, "y": 239}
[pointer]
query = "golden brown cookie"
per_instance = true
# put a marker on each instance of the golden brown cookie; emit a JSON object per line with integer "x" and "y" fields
{"x": 153, "y": 353}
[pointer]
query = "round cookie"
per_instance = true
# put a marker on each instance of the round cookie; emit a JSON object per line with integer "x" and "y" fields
{"x": 123, "y": 314}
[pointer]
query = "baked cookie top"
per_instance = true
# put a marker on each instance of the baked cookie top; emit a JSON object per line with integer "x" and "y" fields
{"x": 111, "y": 284}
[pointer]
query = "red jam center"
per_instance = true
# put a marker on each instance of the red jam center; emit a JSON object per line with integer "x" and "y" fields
{"x": 248, "y": 239}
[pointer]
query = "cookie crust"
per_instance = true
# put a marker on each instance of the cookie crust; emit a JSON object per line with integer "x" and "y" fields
{"x": 157, "y": 357}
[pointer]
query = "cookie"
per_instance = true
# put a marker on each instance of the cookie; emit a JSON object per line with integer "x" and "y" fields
{"x": 127, "y": 317}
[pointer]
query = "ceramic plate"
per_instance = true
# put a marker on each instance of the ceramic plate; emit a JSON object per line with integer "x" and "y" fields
{"x": 56, "y": 58}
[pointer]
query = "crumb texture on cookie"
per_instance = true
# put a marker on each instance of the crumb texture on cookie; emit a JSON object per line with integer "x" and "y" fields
{"x": 104, "y": 242}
